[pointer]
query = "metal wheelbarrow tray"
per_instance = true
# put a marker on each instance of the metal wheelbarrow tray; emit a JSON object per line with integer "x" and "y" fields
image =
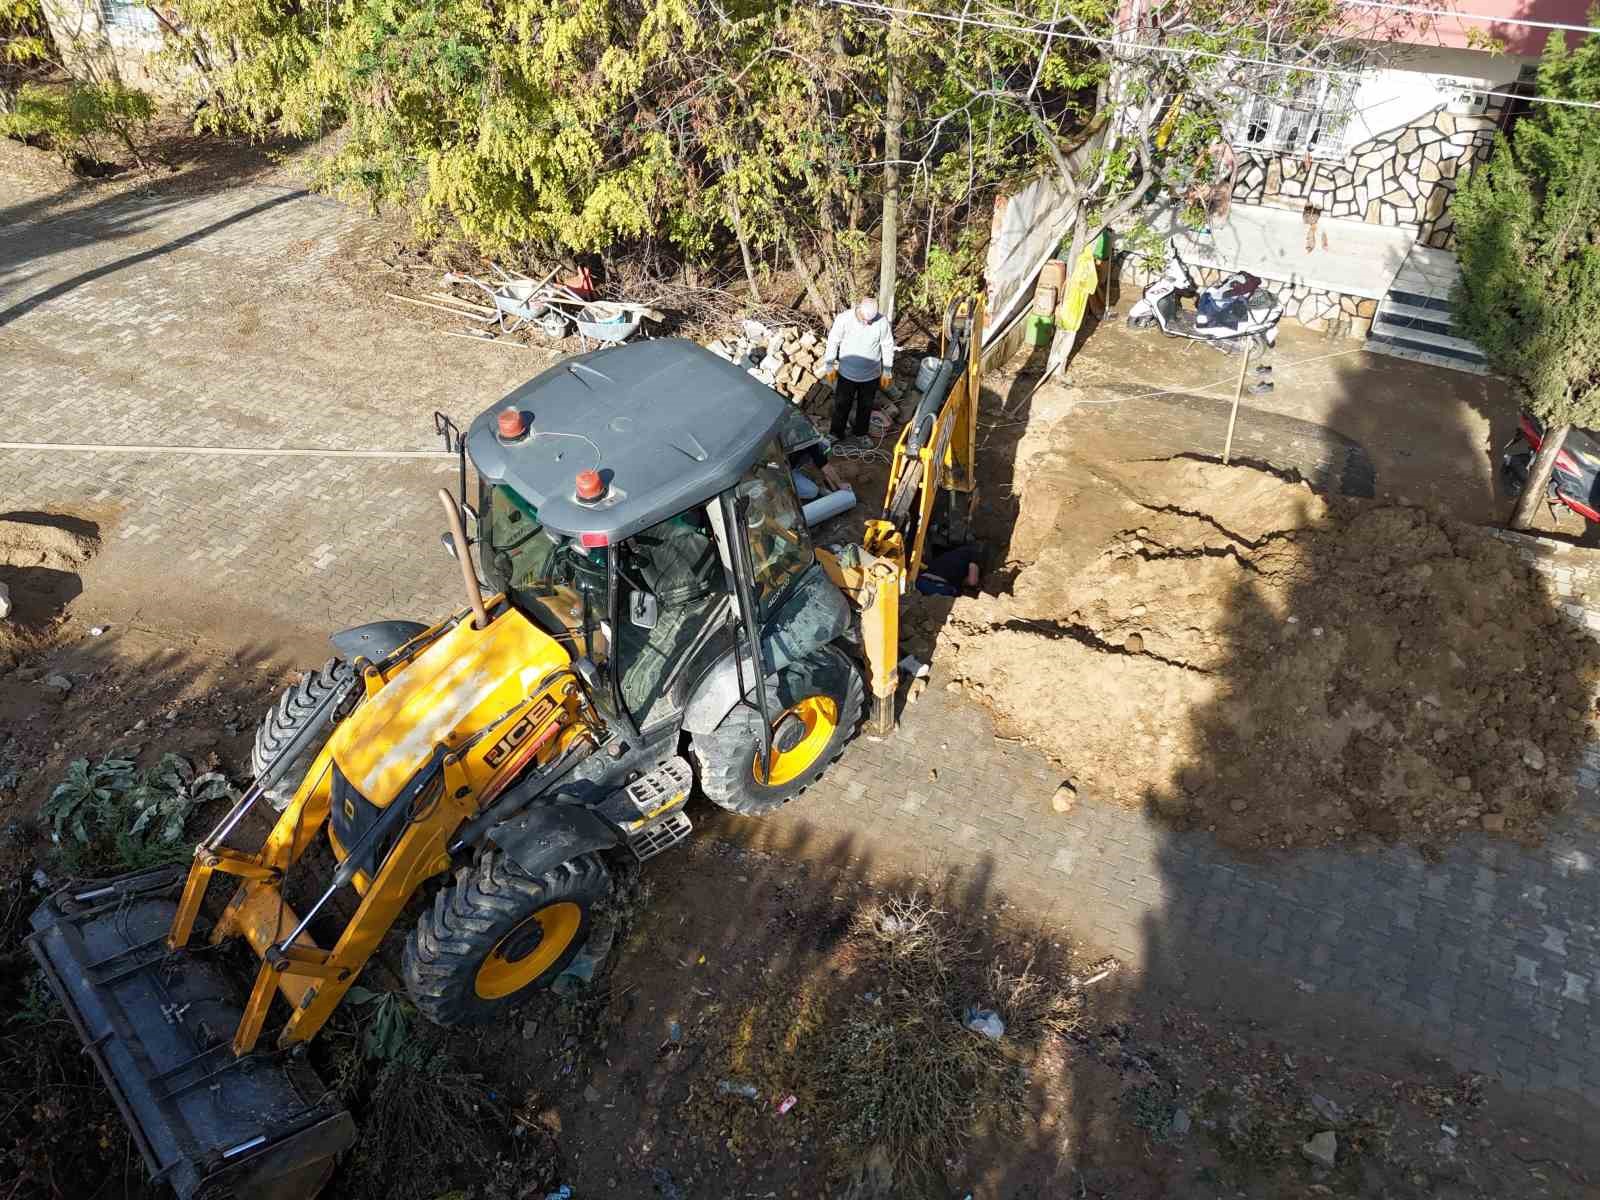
{"x": 158, "y": 1026}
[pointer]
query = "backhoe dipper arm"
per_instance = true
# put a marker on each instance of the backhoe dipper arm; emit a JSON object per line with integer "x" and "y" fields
{"x": 936, "y": 449}
{"x": 873, "y": 586}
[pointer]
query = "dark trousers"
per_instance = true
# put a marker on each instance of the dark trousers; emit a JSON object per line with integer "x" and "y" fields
{"x": 847, "y": 393}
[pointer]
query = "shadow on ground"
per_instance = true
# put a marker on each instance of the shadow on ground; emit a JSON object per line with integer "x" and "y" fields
{"x": 114, "y": 220}
{"x": 1464, "y": 961}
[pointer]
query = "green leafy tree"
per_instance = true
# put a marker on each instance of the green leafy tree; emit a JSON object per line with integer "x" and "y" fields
{"x": 66, "y": 93}
{"x": 72, "y": 116}
{"x": 24, "y": 46}
{"x": 670, "y": 128}
{"x": 1528, "y": 231}
{"x": 852, "y": 142}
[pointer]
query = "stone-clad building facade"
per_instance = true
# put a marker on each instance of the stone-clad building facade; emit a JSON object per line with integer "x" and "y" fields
{"x": 1404, "y": 176}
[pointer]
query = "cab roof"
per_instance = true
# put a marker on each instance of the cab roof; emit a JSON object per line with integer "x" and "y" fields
{"x": 665, "y": 422}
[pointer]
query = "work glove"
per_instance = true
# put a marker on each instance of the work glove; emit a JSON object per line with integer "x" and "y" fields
{"x": 832, "y": 376}
{"x": 884, "y": 380}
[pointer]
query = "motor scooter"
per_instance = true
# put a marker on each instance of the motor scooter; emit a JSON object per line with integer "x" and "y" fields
{"x": 1230, "y": 315}
{"x": 1575, "y": 481}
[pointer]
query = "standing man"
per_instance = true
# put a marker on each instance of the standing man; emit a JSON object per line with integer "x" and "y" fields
{"x": 858, "y": 360}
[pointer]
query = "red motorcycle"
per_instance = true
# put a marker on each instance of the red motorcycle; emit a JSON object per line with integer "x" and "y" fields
{"x": 1575, "y": 481}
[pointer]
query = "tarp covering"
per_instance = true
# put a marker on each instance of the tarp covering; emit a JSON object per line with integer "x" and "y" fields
{"x": 1024, "y": 232}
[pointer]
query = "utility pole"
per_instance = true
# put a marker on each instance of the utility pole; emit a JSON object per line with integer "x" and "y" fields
{"x": 893, "y": 118}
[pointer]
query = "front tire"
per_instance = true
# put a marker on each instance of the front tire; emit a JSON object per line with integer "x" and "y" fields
{"x": 817, "y": 710}
{"x": 497, "y": 935}
{"x": 286, "y": 718}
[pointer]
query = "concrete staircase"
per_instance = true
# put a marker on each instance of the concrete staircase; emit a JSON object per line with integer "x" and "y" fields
{"x": 1413, "y": 318}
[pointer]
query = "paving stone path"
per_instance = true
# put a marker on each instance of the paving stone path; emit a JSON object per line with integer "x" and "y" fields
{"x": 213, "y": 320}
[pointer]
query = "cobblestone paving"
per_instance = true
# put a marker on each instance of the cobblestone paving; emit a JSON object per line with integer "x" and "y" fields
{"x": 212, "y": 320}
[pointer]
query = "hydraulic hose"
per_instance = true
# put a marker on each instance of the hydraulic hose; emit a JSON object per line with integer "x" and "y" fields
{"x": 469, "y": 577}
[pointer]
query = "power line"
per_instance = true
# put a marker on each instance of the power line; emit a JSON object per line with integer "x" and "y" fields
{"x": 1460, "y": 16}
{"x": 1177, "y": 51}
{"x": 224, "y": 451}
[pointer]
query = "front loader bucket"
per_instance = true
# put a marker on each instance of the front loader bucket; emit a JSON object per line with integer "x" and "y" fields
{"x": 158, "y": 1026}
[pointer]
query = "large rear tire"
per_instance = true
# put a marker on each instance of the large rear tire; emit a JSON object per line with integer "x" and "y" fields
{"x": 287, "y": 717}
{"x": 817, "y": 709}
{"x": 498, "y": 935}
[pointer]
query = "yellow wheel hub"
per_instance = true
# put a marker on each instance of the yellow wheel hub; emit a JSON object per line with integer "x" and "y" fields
{"x": 800, "y": 735}
{"x": 529, "y": 950}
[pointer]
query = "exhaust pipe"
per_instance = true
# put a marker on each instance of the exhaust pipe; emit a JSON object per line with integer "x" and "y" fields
{"x": 458, "y": 534}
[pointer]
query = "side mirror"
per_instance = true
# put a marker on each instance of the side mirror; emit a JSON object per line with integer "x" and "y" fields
{"x": 449, "y": 544}
{"x": 643, "y": 610}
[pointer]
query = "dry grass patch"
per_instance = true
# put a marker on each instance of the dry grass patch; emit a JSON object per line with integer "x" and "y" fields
{"x": 889, "y": 1082}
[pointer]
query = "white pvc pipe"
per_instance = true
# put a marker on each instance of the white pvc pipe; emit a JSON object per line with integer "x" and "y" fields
{"x": 831, "y": 505}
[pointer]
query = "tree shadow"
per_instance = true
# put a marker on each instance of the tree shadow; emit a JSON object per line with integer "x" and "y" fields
{"x": 100, "y": 225}
{"x": 1336, "y": 413}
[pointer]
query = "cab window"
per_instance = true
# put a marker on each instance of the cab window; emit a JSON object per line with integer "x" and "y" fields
{"x": 780, "y": 543}
{"x": 676, "y": 564}
{"x": 560, "y": 584}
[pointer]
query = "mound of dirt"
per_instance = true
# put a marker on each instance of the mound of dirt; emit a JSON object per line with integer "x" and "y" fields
{"x": 1247, "y": 657}
{"x": 40, "y": 557}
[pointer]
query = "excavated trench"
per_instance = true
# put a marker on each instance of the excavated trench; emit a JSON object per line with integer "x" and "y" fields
{"x": 1242, "y": 655}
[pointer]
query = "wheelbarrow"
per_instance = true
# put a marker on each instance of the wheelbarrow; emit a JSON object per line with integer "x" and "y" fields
{"x": 608, "y": 324}
{"x": 520, "y": 300}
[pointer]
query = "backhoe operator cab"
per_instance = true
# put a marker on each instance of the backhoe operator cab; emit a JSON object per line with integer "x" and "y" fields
{"x": 636, "y": 506}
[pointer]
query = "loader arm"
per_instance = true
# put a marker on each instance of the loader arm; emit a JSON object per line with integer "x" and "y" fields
{"x": 937, "y": 449}
{"x": 426, "y": 759}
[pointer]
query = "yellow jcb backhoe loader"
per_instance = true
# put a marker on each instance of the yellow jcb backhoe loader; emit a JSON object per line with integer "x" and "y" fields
{"x": 659, "y": 620}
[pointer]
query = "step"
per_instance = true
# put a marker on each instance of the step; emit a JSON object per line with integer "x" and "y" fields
{"x": 1427, "y": 258}
{"x": 1432, "y": 281}
{"x": 1421, "y": 339}
{"x": 1383, "y": 345}
{"x": 1414, "y": 317}
{"x": 1417, "y": 299}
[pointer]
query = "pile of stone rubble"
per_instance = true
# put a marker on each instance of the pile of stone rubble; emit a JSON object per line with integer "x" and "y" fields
{"x": 786, "y": 359}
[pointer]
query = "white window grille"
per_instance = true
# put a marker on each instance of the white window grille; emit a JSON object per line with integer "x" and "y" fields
{"x": 131, "y": 16}
{"x": 1308, "y": 116}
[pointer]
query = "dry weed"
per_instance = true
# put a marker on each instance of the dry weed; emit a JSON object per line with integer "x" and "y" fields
{"x": 873, "y": 1044}
{"x": 1033, "y": 1004}
{"x": 901, "y": 1071}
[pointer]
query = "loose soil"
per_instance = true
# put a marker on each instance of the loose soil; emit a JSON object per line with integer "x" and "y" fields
{"x": 40, "y": 557}
{"x": 1283, "y": 669}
